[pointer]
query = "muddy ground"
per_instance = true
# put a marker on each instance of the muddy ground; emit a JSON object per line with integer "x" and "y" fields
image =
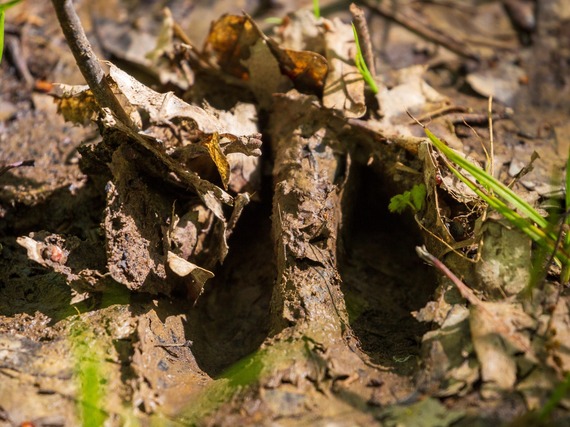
{"x": 135, "y": 291}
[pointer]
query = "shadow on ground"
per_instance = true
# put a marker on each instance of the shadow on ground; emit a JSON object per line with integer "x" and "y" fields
{"x": 383, "y": 279}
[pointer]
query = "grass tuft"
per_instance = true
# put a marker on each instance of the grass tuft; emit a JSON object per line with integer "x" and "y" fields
{"x": 501, "y": 198}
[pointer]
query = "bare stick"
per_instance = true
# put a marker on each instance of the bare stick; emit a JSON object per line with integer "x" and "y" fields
{"x": 464, "y": 290}
{"x": 500, "y": 323}
{"x": 86, "y": 59}
{"x": 422, "y": 29}
{"x": 491, "y": 140}
{"x": 5, "y": 168}
{"x": 363, "y": 37}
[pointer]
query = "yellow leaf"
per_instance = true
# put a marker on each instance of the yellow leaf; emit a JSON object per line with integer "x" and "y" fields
{"x": 212, "y": 143}
{"x": 76, "y": 104}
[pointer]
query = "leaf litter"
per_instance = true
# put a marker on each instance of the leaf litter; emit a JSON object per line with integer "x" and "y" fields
{"x": 177, "y": 179}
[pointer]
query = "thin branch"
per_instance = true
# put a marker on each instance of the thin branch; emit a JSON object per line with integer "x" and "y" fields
{"x": 491, "y": 140}
{"x": 464, "y": 290}
{"x": 86, "y": 59}
{"x": 5, "y": 168}
{"x": 415, "y": 25}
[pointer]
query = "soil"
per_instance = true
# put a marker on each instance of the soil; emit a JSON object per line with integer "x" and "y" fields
{"x": 319, "y": 311}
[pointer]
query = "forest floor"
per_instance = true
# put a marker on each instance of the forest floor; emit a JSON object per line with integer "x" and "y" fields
{"x": 224, "y": 254}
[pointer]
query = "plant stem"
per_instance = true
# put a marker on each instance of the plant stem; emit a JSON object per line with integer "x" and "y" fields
{"x": 86, "y": 59}
{"x": 364, "y": 37}
{"x": 464, "y": 290}
{"x": 565, "y": 275}
{"x": 361, "y": 64}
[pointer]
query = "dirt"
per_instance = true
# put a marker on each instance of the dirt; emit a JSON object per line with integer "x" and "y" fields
{"x": 133, "y": 291}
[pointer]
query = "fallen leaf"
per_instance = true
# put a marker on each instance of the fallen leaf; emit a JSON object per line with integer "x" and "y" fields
{"x": 501, "y": 82}
{"x": 194, "y": 276}
{"x": 497, "y": 333}
{"x": 344, "y": 86}
{"x": 212, "y": 143}
{"x": 424, "y": 413}
{"x": 75, "y": 103}
{"x": 229, "y": 41}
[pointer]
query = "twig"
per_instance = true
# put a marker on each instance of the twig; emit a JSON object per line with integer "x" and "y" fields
{"x": 499, "y": 322}
{"x": 430, "y": 115}
{"x": 454, "y": 115}
{"x": 17, "y": 57}
{"x": 473, "y": 118}
{"x": 6, "y": 168}
{"x": 491, "y": 140}
{"x": 464, "y": 290}
{"x": 422, "y": 29}
{"x": 363, "y": 37}
{"x": 187, "y": 343}
{"x": 86, "y": 59}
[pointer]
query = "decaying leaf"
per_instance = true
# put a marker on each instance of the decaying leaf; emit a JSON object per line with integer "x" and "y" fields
{"x": 505, "y": 264}
{"x": 410, "y": 94}
{"x": 448, "y": 355}
{"x": 165, "y": 368}
{"x": 497, "y": 333}
{"x": 194, "y": 276}
{"x": 426, "y": 412}
{"x": 182, "y": 144}
{"x": 231, "y": 39}
{"x": 75, "y": 103}
{"x": 164, "y": 111}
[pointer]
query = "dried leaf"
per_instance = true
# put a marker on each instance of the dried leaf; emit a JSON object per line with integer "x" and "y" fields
{"x": 160, "y": 107}
{"x": 424, "y": 413}
{"x": 165, "y": 111}
{"x": 229, "y": 40}
{"x": 496, "y": 330}
{"x": 307, "y": 70}
{"x": 500, "y": 82}
{"x": 411, "y": 93}
{"x": 344, "y": 86}
{"x": 212, "y": 143}
{"x": 194, "y": 276}
{"x": 75, "y": 103}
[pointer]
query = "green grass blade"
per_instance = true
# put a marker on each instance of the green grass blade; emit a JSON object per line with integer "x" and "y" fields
{"x": 489, "y": 182}
{"x": 538, "y": 235}
{"x": 565, "y": 276}
{"x": 361, "y": 64}
{"x": 316, "y": 9}
{"x": 3, "y": 8}
{"x": 1, "y": 34}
